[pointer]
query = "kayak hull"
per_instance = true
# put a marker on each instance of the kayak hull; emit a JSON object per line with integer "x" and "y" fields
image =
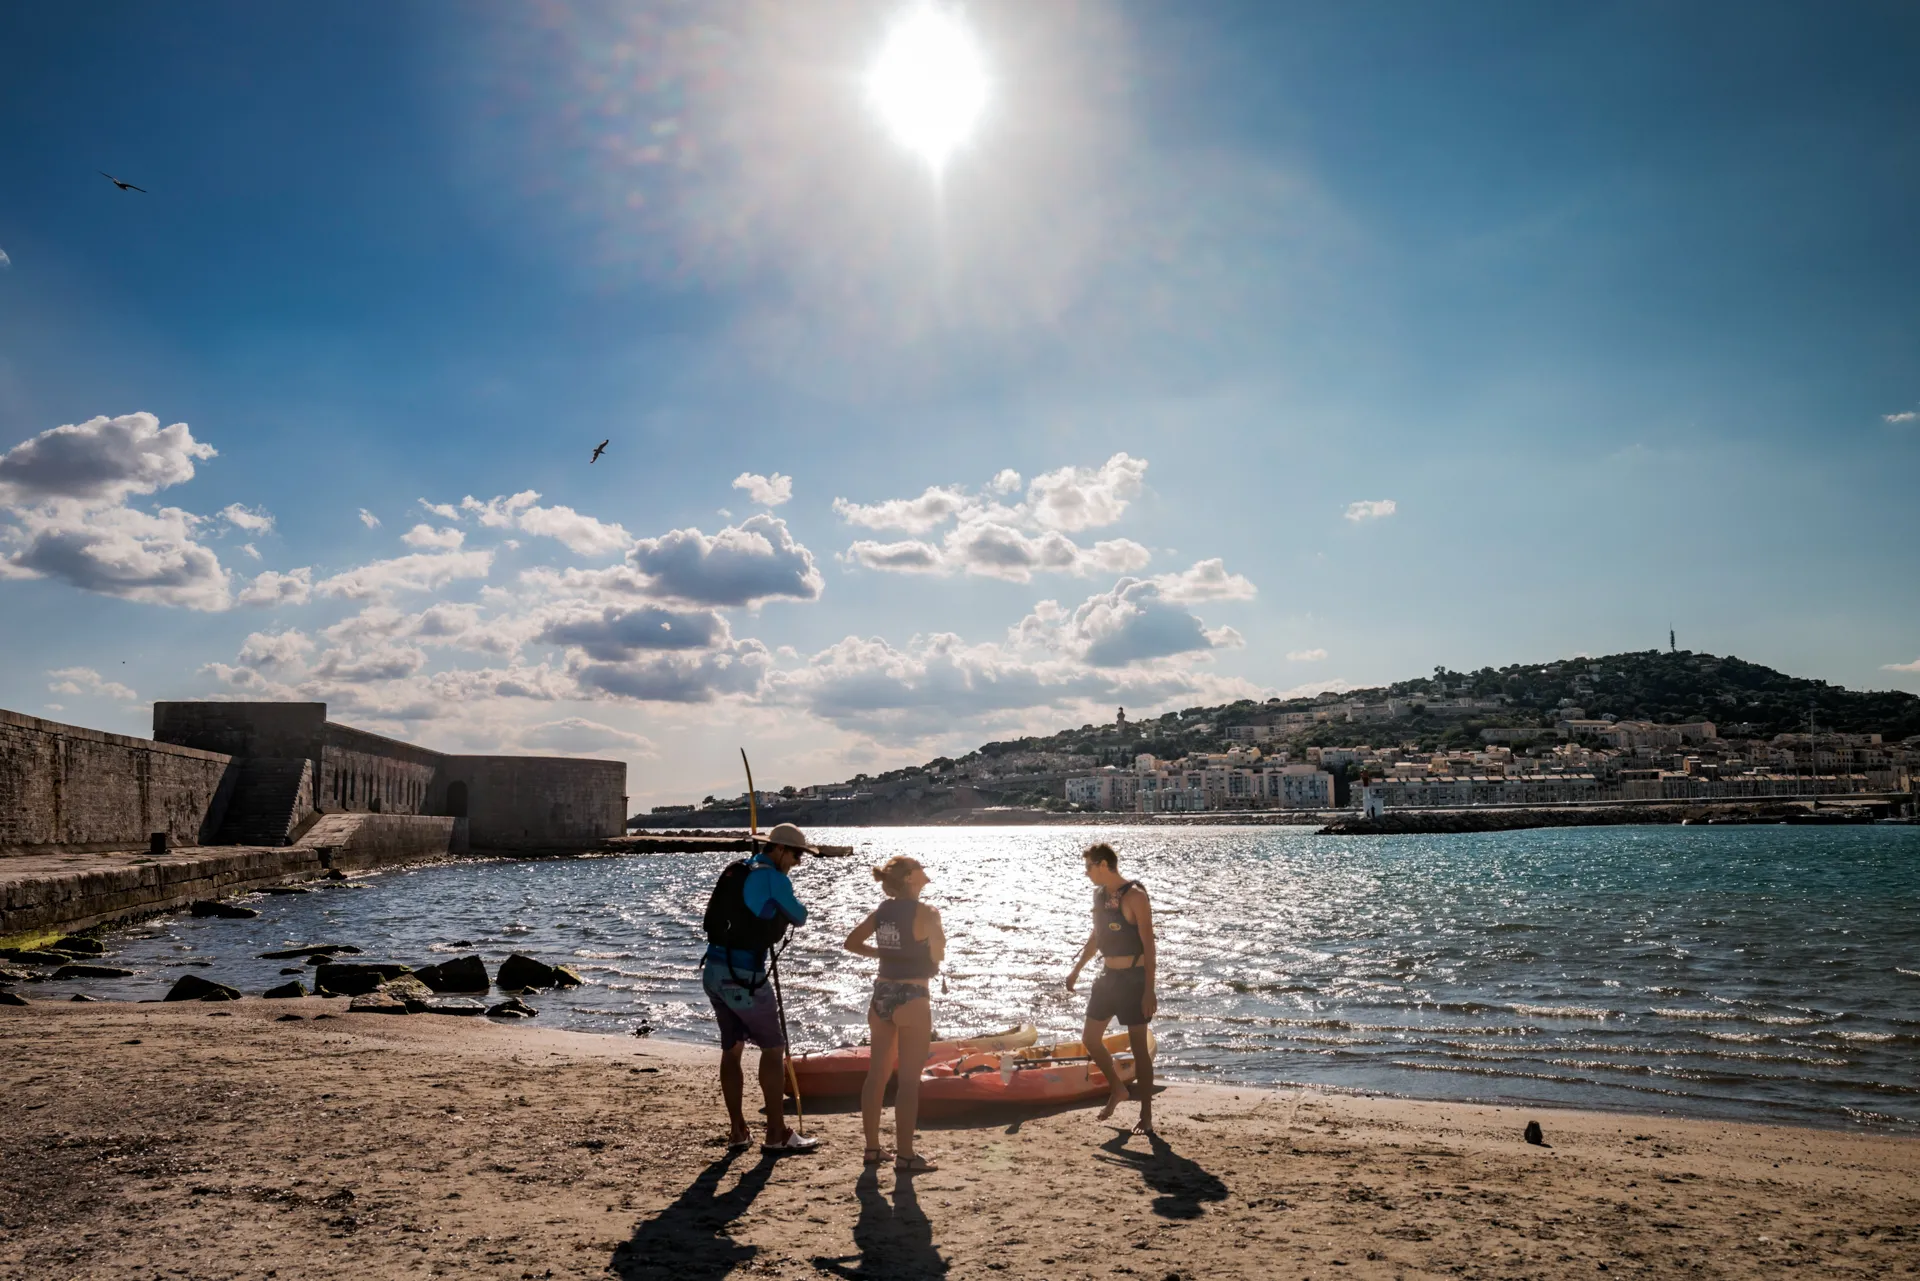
{"x": 1033, "y": 1079}
{"x": 840, "y": 1073}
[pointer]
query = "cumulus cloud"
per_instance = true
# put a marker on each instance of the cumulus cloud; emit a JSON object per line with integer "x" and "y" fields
{"x": 252, "y": 520}
{"x": 4, "y": 263}
{"x": 613, "y": 634}
{"x": 679, "y": 678}
{"x": 101, "y": 462}
{"x": 501, "y": 512}
{"x": 745, "y": 564}
{"x": 583, "y": 535}
{"x": 84, "y": 680}
{"x": 368, "y": 519}
{"x": 1207, "y": 580}
{"x": 998, "y": 539}
{"x": 275, "y": 650}
{"x": 445, "y": 511}
{"x": 426, "y": 537}
{"x": 1371, "y": 509}
{"x": 295, "y": 587}
{"x": 1306, "y": 655}
{"x": 1914, "y": 666}
{"x": 575, "y": 735}
{"x": 1135, "y": 622}
{"x": 1905, "y": 416}
{"x": 767, "y": 491}
{"x": 381, "y": 663}
{"x": 420, "y": 572}
{"x": 250, "y": 550}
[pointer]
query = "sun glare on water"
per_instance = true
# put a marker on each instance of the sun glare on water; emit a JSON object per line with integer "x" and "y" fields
{"x": 929, "y": 83}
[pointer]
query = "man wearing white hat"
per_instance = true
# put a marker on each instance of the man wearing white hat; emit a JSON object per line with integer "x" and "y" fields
{"x": 750, "y": 911}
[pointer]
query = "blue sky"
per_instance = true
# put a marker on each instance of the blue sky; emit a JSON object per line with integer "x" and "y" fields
{"x": 1241, "y": 349}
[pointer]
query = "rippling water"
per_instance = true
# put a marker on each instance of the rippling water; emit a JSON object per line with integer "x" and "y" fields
{"x": 1766, "y": 972}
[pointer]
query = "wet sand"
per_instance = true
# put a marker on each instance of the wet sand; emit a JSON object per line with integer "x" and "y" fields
{"x": 213, "y": 1141}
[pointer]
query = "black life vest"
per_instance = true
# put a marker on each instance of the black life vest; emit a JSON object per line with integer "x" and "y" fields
{"x": 1114, "y": 933}
{"x": 728, "y": 922}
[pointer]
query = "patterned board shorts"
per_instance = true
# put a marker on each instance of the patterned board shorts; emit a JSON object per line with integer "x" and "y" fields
{"x": 744, "y": 1011}
{"x": 890, "y": 994}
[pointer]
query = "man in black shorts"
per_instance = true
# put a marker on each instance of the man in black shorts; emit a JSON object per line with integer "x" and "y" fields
{"x": 1123, "y": 935}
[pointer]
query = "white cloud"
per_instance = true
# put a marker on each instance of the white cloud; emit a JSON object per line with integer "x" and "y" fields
{"x": 499, "y": 513}
{"x": 1371, "y": 509}
{"x": 8, "y": 262}
{"x": 1905, "y": 416}
{"x": 680, "y": 678}
{"x": 582, "y": 535}
{"x": 250, "y": 550}
{"x": 910, "y": 515}
{"x": 1914, "y": 666}
{"x": 995, "y": 550}
{"x": 1306, "y": 655}
{"x": 615, "y": 634}
{"x": 1075, "y": 498}
{"x": 368, "y": 519}
{"x": 576, "y": 736}
{"x": 84, "y": 680}
{"x": 1005, "y": 481}
{"x": 295, "y": 587}
{"x": 745, "y": 564}
{"x": 445, "y": 511}
{"x": 420, "y": 572}
{"x": 427, "y": 537}
{"x": 275, "y": 650}
{"x": 1207, "y": 580}
{"x": 101, "y": 462}
{"x": 767, "y": 491}
{"x": 1135, "y": 622}
{"x": 252, "y": 520}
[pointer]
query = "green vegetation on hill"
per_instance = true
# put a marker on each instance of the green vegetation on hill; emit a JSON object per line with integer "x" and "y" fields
{"x": 1745, "y": 700}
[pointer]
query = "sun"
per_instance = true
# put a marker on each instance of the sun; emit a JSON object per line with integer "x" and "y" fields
{"x": 929, "y": 83}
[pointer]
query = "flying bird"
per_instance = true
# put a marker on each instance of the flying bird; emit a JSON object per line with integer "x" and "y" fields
{"x": 600, "y": 449}
{"x": 124, "y": 186}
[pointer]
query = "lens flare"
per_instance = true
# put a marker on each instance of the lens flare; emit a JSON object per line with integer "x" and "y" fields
{"x": 929, "y": 84}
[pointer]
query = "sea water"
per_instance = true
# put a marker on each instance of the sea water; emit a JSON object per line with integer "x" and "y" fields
{"x": 1749, "y": 972}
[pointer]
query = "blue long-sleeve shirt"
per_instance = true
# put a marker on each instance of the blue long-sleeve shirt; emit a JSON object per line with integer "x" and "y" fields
{"x": 767, "y": 892}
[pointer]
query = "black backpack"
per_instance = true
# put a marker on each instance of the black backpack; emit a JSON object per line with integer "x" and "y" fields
{"x": 729, "y": 924}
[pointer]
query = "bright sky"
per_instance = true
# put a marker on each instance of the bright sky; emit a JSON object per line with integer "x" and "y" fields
{"x": 961, "y": 378}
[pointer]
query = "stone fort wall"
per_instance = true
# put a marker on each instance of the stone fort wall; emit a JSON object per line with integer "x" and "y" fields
{"x": 66, "y": 787}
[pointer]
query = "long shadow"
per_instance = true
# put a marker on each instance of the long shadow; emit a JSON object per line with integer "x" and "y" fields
{"x": 1184, "y": 1186}
{"x": 688, "y": 1240}
{"x": 895, "y": 1240}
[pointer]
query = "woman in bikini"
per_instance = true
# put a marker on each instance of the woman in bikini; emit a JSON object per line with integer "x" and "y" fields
{"x": 905, "y": 936}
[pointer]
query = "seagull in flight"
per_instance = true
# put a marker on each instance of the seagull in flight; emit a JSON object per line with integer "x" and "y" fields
{"x": 124, "y": 186}
{"x": 599, "y": 449}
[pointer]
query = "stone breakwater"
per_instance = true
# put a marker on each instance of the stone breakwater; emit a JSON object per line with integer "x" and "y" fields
{"x": 1408, "y": 822}
{"x": 45, "y": 894}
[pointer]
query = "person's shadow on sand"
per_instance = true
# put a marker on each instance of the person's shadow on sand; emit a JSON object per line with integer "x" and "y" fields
{"x": 688, "y": 1239}
{"x": 895, "y": 1241}
{"x": 1184, "y": 1187}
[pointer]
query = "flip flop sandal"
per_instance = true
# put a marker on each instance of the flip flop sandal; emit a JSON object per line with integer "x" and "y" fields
{"x": 874, "y": 1156}
{"x": 915, "y": 1164}
{"x": 791, "y": 1143}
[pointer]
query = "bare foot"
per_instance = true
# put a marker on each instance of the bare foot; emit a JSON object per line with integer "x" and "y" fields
{"x": 1145, "y": 1124}
{"x": 1114, "y": 1100}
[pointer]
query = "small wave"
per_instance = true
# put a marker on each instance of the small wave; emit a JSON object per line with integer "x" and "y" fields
{"x": 1744, "y": 1038}
{"x": 605, "y": 956}
{"x": 1901, "y": 969}
{"x": 1562, "y": 1012}
{"x": 1730, "y": 1015}
{"x": 1875, "y": 1037}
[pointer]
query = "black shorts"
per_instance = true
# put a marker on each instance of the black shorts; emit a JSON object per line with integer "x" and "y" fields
{"x": 1118, "y": 994}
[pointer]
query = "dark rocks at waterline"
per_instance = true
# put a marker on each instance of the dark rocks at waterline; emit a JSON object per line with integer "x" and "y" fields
{"x": 512, "y": 1008}
{"x": 208, "y": 907}
{"x": 82, "y": 996}
{"x": 39, "y": 956}
{"x": 8, "y": 998}
{"x": 519, "y": 973}
{"x": 191, "y": 987}
{"x": 17, "y": 976}
{"x": 92, "y": 972}
{"x": 1533, "y": 1135}
{"x": 286, "y": 991}
{"x": 355, "y": 978}
{"x": 377, "y": 1003}
{"x": 79, "y": 946}
{"x": 292, "y": 970}
{"x": 310, "y": 951}
{"x": 468, "y": 974}
{"x": 286, "y": 889}
{"x": 459, "y": 1005}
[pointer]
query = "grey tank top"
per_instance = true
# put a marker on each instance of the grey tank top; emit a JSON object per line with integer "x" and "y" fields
{"x": 902, "y": 956}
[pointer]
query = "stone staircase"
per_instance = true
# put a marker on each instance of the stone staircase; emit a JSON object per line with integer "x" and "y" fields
{"x": 270, "y": 797}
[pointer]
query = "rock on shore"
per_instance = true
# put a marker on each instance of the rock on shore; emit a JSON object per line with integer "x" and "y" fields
{"x": 468, "y": 974}
{"x": 355, "y": 978}
{"x": 519, "y": 973}
{"x": 191, "y": 987}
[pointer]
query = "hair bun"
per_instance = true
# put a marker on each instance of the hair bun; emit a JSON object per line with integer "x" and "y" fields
{"x": 879, "y": 873}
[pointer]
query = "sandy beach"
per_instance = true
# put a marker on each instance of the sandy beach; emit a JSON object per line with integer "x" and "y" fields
{"x": 261, "y": 1139}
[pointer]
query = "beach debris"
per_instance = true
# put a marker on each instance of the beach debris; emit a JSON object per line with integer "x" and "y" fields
{"x": 518, "y": 973}
{"x": 92, "y": 972}
{"x": 79, "y": 946}
{"x": 9, "y": 998}
{"x": 355, "y": 978}
{"x": 377, "y": 1003}
{"x": 286, "y": 991}
{"x": 208, "y": 907}
{"x": 82, "y": 996}
{"x": 309, "y": 951}
{"x": 191, "y": 987}
{"x": 512, "y": 1008}
{"x": 1533, "y": 1135}
{"x": 462, "y": 1005}
{"x": 468, "y": 974}
{"x": 643, "y": 1028}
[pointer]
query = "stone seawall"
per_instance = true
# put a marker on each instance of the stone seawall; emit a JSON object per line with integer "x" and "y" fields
{"x": 48, "y": 894}
{"x": 65, "y": 787}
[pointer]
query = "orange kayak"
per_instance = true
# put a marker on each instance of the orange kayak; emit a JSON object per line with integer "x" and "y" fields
{"x": 1040, "y": 1076}
{"x": 840, "y": 1073}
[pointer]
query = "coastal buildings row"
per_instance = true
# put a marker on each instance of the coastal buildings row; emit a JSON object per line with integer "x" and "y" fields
{"x": 1238, "y": 779}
